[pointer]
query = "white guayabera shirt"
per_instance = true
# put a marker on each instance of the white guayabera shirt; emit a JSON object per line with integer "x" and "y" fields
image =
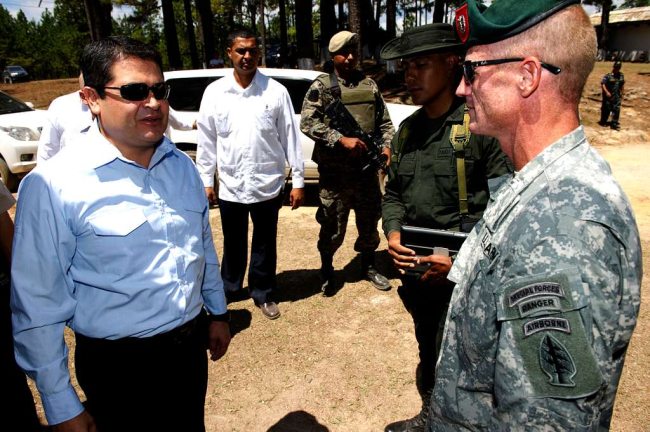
{"x": 248, "y": 134}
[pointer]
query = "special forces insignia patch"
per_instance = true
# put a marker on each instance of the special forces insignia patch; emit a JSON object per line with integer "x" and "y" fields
{"x": 556, "y": 362}
{"x": 462, "y": 23}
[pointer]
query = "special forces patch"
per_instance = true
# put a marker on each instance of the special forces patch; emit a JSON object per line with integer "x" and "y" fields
{"x": 543, "y": 313}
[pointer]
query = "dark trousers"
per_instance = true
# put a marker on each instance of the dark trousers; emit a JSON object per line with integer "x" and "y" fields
{"x": 19, "y": 411}
{"x": 612, "y": 106}
{"x": 428, "y": 306}
{"x": 146, "y": 384}
{"x": 261, "y": 272}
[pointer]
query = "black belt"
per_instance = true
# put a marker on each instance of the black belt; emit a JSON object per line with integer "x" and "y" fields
{"x": 178, "y": 335}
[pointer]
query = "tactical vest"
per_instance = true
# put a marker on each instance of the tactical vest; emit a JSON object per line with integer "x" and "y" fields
{"x": 360, "y": 101}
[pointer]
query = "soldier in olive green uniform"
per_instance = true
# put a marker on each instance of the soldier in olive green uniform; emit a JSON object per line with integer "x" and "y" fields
{"x": 437, "y": 179}
{"x": 342, "y": 184}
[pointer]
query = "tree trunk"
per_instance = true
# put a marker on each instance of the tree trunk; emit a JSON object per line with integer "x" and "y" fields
{"x": 327, "y": 28}
{"x": 171, "y": 39}
{"x": 341, "y": 16}
{"x": 252, "y": 9}
{"x": 391, "y": 12}
{"x": 304, "y": 34}
{"x": 263, "y": 33}
{"x": 204, "y": 12}
{"x": 438, "y": 11}
{"x": 354, "y": 21}
{"x": 189, "y": 23}
{"x": 604, "y": 30}
{"x": 284, "y": 41}
{"x": 100, "y": 22}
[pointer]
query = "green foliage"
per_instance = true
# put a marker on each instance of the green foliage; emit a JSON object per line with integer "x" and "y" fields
{"x": 634, "y": 3}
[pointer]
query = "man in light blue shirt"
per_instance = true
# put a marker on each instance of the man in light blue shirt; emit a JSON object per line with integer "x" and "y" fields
{"x": 113, "y": 240}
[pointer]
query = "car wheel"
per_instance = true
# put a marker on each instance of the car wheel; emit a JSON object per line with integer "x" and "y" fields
{"x": 8, "y": 178}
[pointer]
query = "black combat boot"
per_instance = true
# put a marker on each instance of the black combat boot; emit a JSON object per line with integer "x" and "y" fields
{"x": 417, "y": 423}
{"x": 326, "y": 275}
{"x": 370, "y": 272}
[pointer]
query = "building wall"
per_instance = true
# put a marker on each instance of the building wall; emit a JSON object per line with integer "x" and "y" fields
{"x": 630, "y": 42}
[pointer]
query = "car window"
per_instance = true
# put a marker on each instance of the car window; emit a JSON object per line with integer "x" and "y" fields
{"x": 186, "y": 93}
{"x": 297, "y": 91}
{"x": 10, "y": 105}
{"x": 15, "y": 69}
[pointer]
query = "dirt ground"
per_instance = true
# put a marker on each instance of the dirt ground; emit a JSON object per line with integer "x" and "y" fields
{"x": 346, "y": 363}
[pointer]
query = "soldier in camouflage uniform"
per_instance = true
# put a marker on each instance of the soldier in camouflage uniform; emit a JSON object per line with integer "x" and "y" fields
{"x": 423, "y": 186}
{"x": 613, "y": 85}
{"x": 548, "y": 283}
{"x": 342, "y": 184}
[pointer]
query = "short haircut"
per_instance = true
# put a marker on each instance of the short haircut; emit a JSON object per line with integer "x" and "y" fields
{"x": 98, "y": 58}
{"x": 241, "y": 33}
{"x": 566, "y": 40}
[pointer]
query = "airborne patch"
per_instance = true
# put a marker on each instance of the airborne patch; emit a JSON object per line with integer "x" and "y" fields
{"x": 546, "y": 324}
{"x": 536, "y": 289}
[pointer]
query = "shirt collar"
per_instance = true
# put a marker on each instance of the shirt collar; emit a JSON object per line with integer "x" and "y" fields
{"x": 259, "y": 80}
{"x": 103, "y": 152}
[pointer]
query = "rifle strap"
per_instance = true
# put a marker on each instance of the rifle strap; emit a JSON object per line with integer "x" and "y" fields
{"x": 335, "y": 88}
{"x": 459, "y": 139}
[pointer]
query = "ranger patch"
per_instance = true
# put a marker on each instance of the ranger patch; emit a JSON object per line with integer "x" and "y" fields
{"x": 546, "y": 304}
{"x": 546, "y": 324}
{"x": 536, "y": 289}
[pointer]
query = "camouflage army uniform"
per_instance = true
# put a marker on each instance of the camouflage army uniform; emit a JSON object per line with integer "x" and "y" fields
{"x": 342, "y": 185}
{"x": 547, "y": 297}
{"x": 614, "y": 84}
{"x": 422, "y": 190}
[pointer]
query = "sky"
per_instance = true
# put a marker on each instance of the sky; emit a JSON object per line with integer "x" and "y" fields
{"x": 33, "y": 12}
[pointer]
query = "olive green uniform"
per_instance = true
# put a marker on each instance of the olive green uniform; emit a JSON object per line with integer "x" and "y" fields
{"x": 342, "y": 184}
{"x": 422, "y": 190}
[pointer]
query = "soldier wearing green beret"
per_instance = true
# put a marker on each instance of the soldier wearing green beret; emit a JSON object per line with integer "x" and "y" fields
{"x": 437, "y": 179}
{"x": 342, "y": 184}
{"x": 613, "y": 85}
{"x": 548, "y": 284}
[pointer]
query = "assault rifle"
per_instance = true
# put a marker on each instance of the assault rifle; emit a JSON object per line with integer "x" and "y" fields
{"x": 346, "y": 124}
{"x": 427, "y": 241}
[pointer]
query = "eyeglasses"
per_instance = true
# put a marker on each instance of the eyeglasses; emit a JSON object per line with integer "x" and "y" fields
{"x": 140, "y": 91}
{"x": 469, "y": 73}
{"x": 243, "y": 51}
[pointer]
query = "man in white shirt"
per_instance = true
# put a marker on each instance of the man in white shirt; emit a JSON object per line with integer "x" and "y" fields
{"x": 67, "y": 116}
{"x": 247, "y": 130}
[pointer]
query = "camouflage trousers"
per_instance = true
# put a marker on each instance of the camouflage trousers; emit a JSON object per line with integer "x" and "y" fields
{"x": 338, "y": 195}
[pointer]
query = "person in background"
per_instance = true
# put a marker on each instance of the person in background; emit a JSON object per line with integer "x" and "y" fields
{"x": 613, "y": 86}
{"x": 67, "y": 116}
{"x": 342, "y": 184}
{"x": 247, "y": 132}
{"x": 438, "y": 178}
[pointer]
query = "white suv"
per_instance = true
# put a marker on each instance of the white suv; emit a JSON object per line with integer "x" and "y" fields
{"x": 20, "y": 129}
{"x": 187, "y": 89}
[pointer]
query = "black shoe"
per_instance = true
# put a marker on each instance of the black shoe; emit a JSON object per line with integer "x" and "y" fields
{"x": 327, "y": 285}
{"x": 378, "y": 281}
{"x": 415, "y": 424}
{"x": 616, "y": 126}
{"x": 270, "y": 310}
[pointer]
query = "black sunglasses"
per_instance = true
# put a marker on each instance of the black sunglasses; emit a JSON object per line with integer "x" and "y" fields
{"x": 140, "y": 91}
{"x": 243, "y": 51}
{"x": 469, "y": 73}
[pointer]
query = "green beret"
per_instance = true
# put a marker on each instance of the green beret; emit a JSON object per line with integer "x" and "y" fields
{"x": 478, "y": 24}
{"x": 341, "y": 40}
{"x": 422, "y": 40}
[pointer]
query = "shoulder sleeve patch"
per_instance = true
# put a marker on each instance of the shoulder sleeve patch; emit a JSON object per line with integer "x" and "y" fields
{"x": 543, "y": 313}
{"x": 313, "y": 95}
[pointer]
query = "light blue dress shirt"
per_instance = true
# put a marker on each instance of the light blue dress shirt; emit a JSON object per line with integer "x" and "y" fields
{"x": 110, "y": 249}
